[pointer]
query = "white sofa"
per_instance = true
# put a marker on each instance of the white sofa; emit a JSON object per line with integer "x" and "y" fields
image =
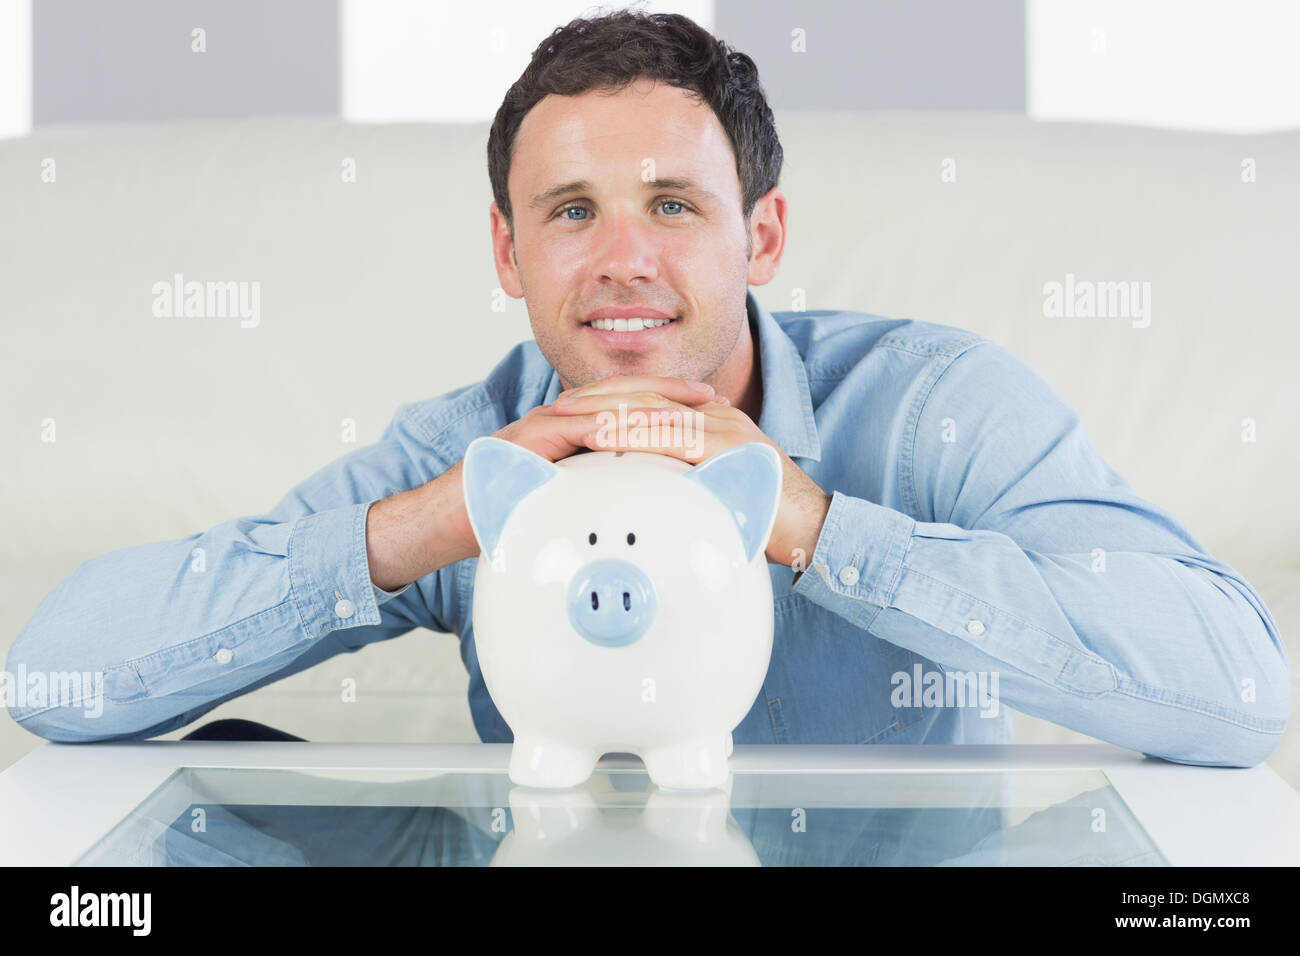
{"x": 381, "y": 291}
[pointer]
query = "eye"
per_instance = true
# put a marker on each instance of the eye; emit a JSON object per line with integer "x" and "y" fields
{"x": 563, "y": 211}
{"x": 631, "y": 538}
{"x": 591, "y": 538}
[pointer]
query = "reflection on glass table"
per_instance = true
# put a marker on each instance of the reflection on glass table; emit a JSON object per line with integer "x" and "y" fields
{"x": 259, "y": 817}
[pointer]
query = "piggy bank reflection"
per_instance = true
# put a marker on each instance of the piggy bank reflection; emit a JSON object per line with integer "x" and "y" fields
{"x": 593, "y": 826}
{"x": 622, "y": 604}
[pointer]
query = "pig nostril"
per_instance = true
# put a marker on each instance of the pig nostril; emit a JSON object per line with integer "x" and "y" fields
{"x": 593, "y": 600}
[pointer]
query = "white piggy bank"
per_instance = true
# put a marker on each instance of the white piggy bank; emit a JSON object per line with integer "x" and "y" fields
{"x": 622, "y": 604}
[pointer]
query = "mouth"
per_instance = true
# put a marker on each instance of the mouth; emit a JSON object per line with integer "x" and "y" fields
{"x": 630, "y": 334}
{"x": 635, "y": 324}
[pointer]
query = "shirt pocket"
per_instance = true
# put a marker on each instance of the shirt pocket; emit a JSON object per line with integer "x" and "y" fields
{"x": 887, "y": 719}
{"x": 834, "y": 679}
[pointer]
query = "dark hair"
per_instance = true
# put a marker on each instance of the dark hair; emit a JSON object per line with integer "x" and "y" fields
{"x": 612, "y": 51}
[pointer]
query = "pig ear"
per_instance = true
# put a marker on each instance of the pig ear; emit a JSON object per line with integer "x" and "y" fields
{"x": 747, "y": 480}
{"x": 496, "y": 476}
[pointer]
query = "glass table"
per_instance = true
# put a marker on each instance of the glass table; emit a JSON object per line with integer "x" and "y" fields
{"x": 155, "y": 803}
{"x": 216, "y": 816}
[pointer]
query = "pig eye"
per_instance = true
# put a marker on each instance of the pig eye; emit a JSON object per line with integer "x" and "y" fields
{"x": 591, "y": 538}
{"x": 631, "y": 538}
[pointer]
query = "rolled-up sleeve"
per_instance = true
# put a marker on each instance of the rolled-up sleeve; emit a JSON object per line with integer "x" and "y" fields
{"x": 158, "y": 634}
{"x": 1095, "y": 609}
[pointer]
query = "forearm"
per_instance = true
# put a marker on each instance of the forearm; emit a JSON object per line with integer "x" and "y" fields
{"x": 417, "y": 532}
{"x": 168, "y": 627}
{"x": 1172, "y": 657}
{"x": 166, "y": 631}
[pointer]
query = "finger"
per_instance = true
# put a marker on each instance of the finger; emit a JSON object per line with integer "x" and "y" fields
{"x": 558, "y": 436}
{"x": 583, "y": 403}
{"x": 677, "y": 389}
{"x": 610, "y": 410}
{"x": 672, "y": 429}
{"x": 574, "y": 427}
{"x": 688, "y": 444}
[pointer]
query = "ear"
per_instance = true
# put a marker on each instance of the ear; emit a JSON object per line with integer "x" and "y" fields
{"x": 496, "y": 476}
{"x": 747, "y": 480}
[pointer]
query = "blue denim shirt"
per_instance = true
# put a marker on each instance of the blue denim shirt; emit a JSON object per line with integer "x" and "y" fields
{"x": 978, "y": 556}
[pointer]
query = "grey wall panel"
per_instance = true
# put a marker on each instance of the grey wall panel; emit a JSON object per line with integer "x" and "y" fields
{"x": 883, "y": 54}
{"x": 131, "y": 60}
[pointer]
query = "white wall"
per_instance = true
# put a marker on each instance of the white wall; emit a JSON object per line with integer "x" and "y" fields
{"x": 1180, "y": 64}
{"x": 15, "y": 67}
{"x": 449, "y": 61}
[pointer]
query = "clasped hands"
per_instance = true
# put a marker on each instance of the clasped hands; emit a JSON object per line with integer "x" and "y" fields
{"x": 671, "y": 416}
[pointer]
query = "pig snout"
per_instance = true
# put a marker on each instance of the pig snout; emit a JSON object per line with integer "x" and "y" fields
{"x": 611, "y": 603}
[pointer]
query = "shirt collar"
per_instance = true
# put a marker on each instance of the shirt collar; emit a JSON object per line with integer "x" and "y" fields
{"x": 787, "y": 415}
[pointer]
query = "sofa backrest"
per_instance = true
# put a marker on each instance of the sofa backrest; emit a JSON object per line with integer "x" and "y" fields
{"x": 370, "y": 248}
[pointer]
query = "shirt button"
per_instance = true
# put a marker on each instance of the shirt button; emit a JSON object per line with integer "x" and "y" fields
{"x": 224, "y": 655}
{"x": 849, "y": 576}
{"x": 974, "y": 628}
{"x": 345, "y": 608}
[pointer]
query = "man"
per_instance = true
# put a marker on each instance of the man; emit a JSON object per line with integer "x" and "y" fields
{"x": 949, "y": 544}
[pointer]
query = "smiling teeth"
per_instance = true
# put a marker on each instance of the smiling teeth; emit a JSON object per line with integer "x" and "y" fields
{"x": 627, "y": 325}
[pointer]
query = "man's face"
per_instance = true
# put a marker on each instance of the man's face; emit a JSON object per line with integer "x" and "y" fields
{"x": 624, "y": 240}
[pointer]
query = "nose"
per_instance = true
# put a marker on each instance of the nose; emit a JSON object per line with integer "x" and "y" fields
{"x": 628, "y": 253}
{"x": 611, "y": 603}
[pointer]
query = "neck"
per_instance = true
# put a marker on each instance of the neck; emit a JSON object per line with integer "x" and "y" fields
{"x": 740, "y": 378}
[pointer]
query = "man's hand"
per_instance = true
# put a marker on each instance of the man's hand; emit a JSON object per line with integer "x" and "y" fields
{"x": 688, "y": 424}
{"x": 558, "y": 431}
{"x": 548, "y": 431}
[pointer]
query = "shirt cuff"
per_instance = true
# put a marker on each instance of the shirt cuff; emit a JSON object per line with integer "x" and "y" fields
{"x": 381, "y": 596}
{"x": 329, "y": 573}
{"x": 859, "y": 557}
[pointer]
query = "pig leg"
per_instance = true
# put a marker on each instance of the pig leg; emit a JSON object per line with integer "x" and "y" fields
{"x": 541, "y": 762}
{"x": 699, "y": 764}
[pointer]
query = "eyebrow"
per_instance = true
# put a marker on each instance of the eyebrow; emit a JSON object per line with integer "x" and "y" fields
{"x": 582, "y": 186}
